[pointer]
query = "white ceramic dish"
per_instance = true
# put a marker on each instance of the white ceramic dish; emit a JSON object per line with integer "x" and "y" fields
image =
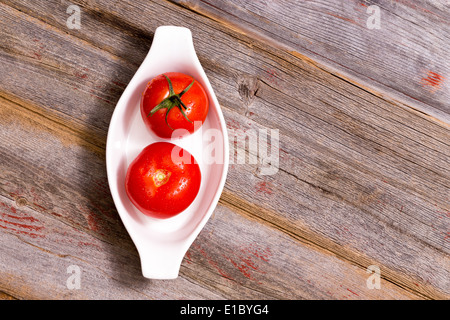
{"x": 162, "y": 244}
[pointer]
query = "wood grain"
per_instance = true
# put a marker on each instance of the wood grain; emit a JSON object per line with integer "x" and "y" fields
{"x": 406, "y": 58}
{"x": 362, "y": 178}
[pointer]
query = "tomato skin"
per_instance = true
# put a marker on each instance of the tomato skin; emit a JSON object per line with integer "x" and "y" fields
{"x": 195, "y": 99}
{"x": 162, "y": 186}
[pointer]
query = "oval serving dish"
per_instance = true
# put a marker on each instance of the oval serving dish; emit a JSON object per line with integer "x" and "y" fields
{"x": 162, "y": 243}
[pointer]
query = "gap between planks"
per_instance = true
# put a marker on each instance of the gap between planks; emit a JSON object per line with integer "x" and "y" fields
{"x": 68, "y": 131}
{"x": 323, "y": 244}
{"x": 6, "y": 296}
{"x": 235, "y": 202}
{"x": 65, "y": 131}
{"x": 396, "y": 99}
{"x": 260, "y": 38}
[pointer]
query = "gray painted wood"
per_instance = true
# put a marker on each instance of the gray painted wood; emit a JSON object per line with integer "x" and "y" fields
{"x": 362, "y": 179}
{"x": 399, "y": 47}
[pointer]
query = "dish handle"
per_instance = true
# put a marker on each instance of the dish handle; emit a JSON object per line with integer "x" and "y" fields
{"x": 168, "y": 43}
{"x": 161, "y": 262}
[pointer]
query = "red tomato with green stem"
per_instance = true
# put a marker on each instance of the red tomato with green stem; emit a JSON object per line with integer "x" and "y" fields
{"x": 173, "y": 101}
{"x": 163, "y": 180}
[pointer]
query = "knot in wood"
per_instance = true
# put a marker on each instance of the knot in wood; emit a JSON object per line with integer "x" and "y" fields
{"x": 247, "y": 87}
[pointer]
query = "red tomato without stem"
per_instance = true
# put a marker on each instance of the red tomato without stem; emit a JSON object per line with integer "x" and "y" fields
{"x": 173, "y": 101}
{"x": 162, "y": 181}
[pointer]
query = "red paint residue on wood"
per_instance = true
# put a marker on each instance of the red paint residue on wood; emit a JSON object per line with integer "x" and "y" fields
{"x": 36, "y": 196}
{"x": 22, "y": 225}
{"x": 83, "y": 244}
{"x": 264, "y": 187}
{"x": 413, "y": 5}
{"x": 93, "y": 221}
{"x": 38, "y": 53}
{"x": 344, "y": 232}
{"x": 433, "y": 81}
{"x": 56, "y": 214}
{"x": 18, "y": 218}
{"x": 263, "y": 254}
{"x": 443, "y": 214}
{"x": 18, "y": 223}
{"x": 343, "y": 18}
{"x": 188, "y": 257}
{"x": 245, "y": 267}
{"x": 80, "y": 75}
{"x": 93, "y": 94}
{"x": 353, "y": 292}
{"x": 233, "y": 124}
{"x": 119, "y": 84}
{"x": 245, "y": 261}
{"x": 30, "y": 234}
{"x": 211, "y": 262}
{"x": 272, "y": 76}
{"x": 39, "y": 206}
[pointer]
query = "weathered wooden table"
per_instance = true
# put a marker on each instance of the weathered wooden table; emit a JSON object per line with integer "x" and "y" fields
{"x": 358, "y": 207}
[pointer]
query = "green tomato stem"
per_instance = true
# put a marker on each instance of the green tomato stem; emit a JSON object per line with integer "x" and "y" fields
{"x": 173, "y": 100}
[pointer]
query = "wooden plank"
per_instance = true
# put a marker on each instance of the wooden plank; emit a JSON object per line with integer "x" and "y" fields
{"x": 50, "y": 239}
{"x": 4, "y": 296}
{"x": 272, "y": 262}
{"x": 361, "y": 178}
{"x": 35, "y": 267}
{"x": 406, "y": 58}
{"x": 61, "y": 213}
